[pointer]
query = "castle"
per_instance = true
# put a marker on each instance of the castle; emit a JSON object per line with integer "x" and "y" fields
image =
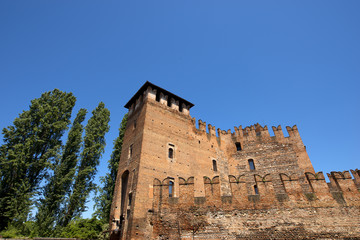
{"x": 179, "y": 181}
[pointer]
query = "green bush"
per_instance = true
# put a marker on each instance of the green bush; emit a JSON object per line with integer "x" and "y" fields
{"x": 83, "y": 229}
{"x": 22, "y": 231}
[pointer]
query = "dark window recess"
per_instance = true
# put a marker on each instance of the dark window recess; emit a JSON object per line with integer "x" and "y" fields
{"x": 124, "y": 187}
{"x": 258, "y": 133}
{"x": 180, "y": 107}
{"x": 214, "y": 165}
{"x": 130, "y": 199}
{"x": 238, "y": 146}
{"x": 171, "y": 188}
{"x": 158, "y": 97}
{"x": 169, "y": 102}
{"x": 130, "y": 151}
{"x": 251, "y": 164}
{"x": 171, "y": 153}
{"x": 256, "y": 190}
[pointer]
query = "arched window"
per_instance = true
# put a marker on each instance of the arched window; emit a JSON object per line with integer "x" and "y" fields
{"x": 251, "y": 164}
{"x": 214, "y": 165}
{"x": 171, "y": 188}
{"x": 171, "y": 153}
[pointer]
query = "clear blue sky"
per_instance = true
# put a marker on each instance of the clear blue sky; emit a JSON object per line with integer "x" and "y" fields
{"x": 239, "y": 62}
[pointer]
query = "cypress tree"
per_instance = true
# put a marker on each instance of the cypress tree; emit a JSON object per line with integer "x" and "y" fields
{"x": 104, "y": 200}
{"x": 30, "y": 146}
{"x": 94, "y": 144}
{"x": 60, "y": 182}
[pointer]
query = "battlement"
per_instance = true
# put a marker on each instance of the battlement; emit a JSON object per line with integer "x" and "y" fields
{"x": 250, "y": 133}
{"x": 151, "y": 92}
{"x": 258, "y": 191}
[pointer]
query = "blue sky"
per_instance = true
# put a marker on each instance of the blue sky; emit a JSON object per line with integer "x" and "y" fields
{"x": 239, "y": 62}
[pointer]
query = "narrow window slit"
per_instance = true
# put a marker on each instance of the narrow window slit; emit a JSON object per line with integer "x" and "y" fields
{"x": 256, "y": 190}
{"x": 171, "y": 188}
{"x": 251, "y": 164}
{"x": 214, "y": 165}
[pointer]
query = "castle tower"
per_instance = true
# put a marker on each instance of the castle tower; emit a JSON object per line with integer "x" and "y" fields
{"x": 156, "y": 134}
{"x": 163, "y": 147}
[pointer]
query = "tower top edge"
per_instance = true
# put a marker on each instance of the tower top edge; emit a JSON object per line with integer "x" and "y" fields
{"x": 153, "y": 86}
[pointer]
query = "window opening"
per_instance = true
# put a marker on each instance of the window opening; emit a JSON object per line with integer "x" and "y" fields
{"x": 124, "y": 186}
{"x": 171, "y": 188}
{"x": 169, "y": 102}
{"x": 171, "y": 153}
{"x": 130, "y": 199}
{"x": 251, "y": 164}
{"x": 157, "y": 96}
{"x": 214, "y": 165}
{"x": 238, "y": 146}
{"x": 256, "y": 189}
{"x": 180, "y": 107}
{"x": 130, "y": 151}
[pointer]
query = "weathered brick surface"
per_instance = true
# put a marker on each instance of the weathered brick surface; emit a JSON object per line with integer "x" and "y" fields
{"x": 282, "y": 198}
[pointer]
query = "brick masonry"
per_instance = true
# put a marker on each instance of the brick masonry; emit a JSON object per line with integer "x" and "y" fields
{"x": 179, "y": 181}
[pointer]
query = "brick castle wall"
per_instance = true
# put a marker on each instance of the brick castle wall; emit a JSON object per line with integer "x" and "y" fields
{"x": 177, "y": 180}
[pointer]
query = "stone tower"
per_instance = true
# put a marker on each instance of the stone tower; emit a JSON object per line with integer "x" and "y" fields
{"x": 169, "y": 168}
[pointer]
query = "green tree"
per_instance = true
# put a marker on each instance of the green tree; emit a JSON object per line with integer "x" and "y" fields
{"x": 83, "y": 229}
{"x": 94, "y": 144}
{"x": 104, "y": 199}
{"x": 30, "y": 146}
{"x": 59, "y": 184}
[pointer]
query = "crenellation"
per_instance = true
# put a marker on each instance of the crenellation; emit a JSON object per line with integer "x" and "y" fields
{"x": 163, "y": 98}
{"x": 202, "y": 125}
{"x": 266, "y": 191}
{"x": 211, "y": 130}
{"x": 185, "y": 109}
{"x": 174, "y": 104}
{"x": 150, "y": 94}
{"x": 279, "y": 135}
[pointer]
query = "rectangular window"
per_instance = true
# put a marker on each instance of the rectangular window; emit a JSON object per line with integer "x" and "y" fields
{"x": 238, "y": 146}
{"x": 251, "y": 164}
{"x": 130, "y": 199}
{"x": 214, "y": 165}
{"x": 171, "y": 188}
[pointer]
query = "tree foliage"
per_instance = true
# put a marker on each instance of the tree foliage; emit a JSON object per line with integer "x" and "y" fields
{"x": 36, "y": 169}
{"x": 59, "y": 184}
{"x": 94, "y": 144}
{"x": 104, "y": 200}
{"x": 30, "y": 145}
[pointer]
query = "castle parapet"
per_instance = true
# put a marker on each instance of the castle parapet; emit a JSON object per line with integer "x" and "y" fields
{"x": 259, "y": 192}
{"x": 151, "y": 92}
